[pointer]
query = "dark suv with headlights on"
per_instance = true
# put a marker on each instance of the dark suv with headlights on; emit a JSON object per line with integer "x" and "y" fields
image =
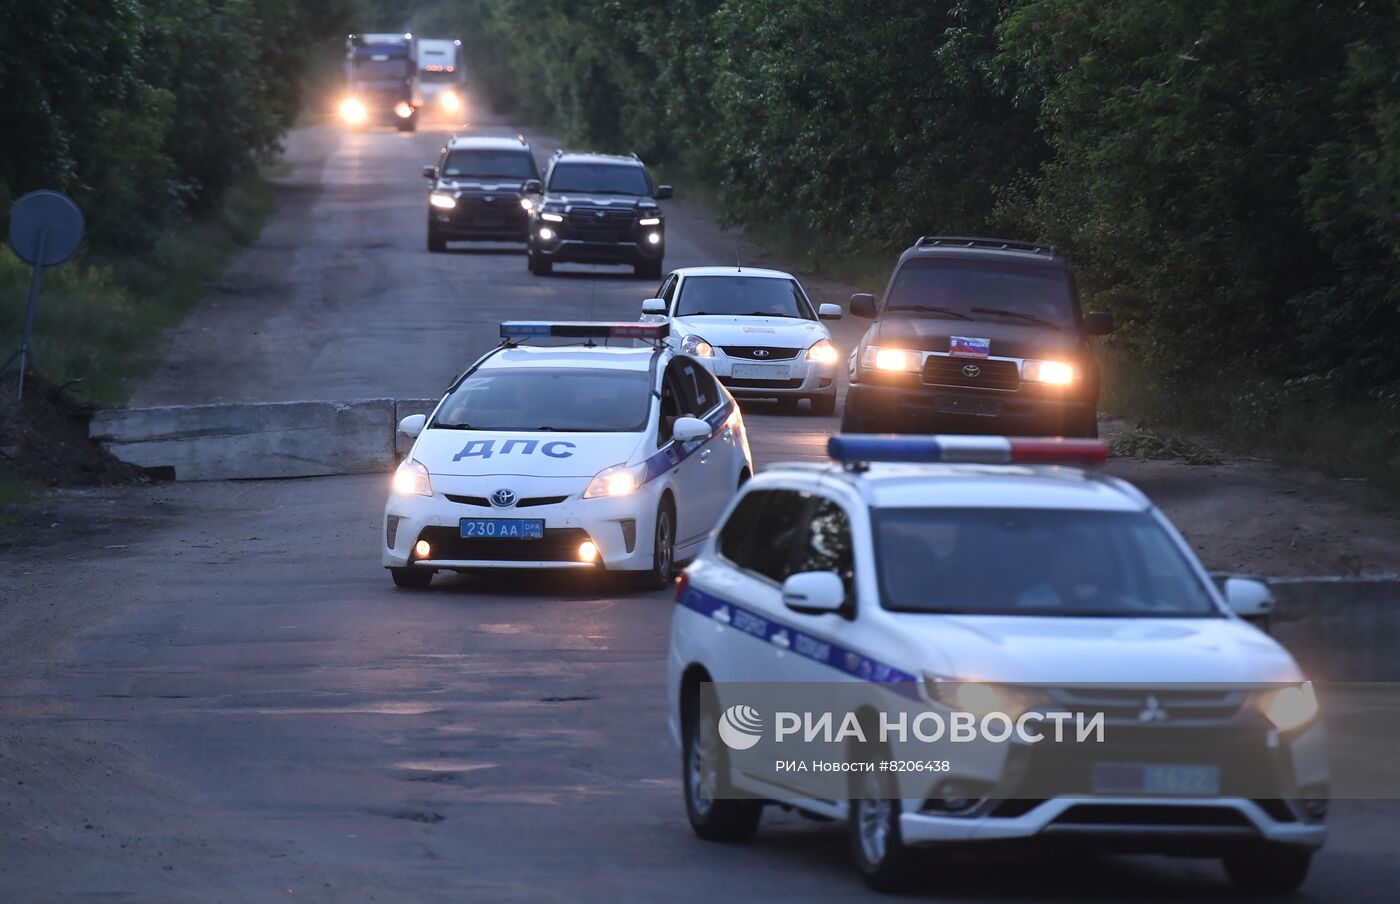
{"x": 478, "y": 191}
{"x": 598, "y": 209}
{"x": 976, "y": 336}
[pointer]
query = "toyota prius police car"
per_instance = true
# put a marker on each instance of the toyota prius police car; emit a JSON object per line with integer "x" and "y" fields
{"x": 567, "y": 456}
{"x": 984, "y": 575}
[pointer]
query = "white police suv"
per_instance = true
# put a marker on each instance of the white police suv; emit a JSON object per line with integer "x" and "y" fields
{"x": 987, "y": 579}
{"x": 757, "y": 329}
{"x": 567, "y": 456}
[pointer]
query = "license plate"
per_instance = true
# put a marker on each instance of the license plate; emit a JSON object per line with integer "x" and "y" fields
{"x": 760, "y": 371}
{"x": 503, "y": 528}
{"x": 974, "y": 407}
{"x": 1144, "y": 778}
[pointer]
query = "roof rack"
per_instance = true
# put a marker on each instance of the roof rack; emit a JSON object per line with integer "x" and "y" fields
{"x": 520, "y": 137}
{"x": 962, "y": 241}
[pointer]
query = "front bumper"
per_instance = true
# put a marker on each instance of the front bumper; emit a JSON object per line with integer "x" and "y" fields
{"x": 622, "y": 528}
{"x": 953, "y": 410}
{"x": 471, "y": 220}
{"x": 571, "y": 246}
{"x": 796, "y": 377}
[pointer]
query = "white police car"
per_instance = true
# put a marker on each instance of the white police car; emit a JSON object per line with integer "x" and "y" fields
{"x": 757, "y": 329}
{"x": 567, "y": 456}
{"x": 982, "y": 574}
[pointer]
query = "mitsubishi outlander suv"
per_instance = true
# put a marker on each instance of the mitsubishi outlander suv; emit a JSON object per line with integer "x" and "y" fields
{"x": 976, "y": 335}
{"x": 597, "y": 209}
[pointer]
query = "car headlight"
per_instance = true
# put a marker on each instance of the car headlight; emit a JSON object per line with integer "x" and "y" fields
{"x": 402, "y": 110}
{"x": 697, "y": 347}
{"x": 823, "y": 352}
{"x": 411, "y": 479}
{"x": 446, "y": 202}
{"x": 619, "y": 480}
{"x": 893, "y": 359}
{"x": 551, "y": 217}
{"x": 1056, "y": 373}
{"x": 450, "y": 101}
{"x": 1289, "y": 707}
{"x": 981, "y": 698}
{"x": 649, "y": 221}
{"x": 352, "y": 111}
{"x": 527, "y": 203}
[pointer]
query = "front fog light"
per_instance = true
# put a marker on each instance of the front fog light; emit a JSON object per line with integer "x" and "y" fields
{"x": 546, "y": 233}
{"x": 1291, "y": 707}
{"x": 654, "y": 238}
{"x": 411, "y": 479}
{"x": 823, "y": 352}
{"x": 588, "y": 551}
{"x": 619, "y": 480}
{"x": 402, "y": 110}
{"x": 422, "y": 550}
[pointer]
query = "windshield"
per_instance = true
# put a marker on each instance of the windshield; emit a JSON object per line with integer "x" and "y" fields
{"x": 564, "y": 399}
{"x": 381, "y": 70}
{"x": 972, "y": 290}
{"x": 481, "y": 164}
{"x": 743, "y": 295}
{"x": 599, "y": 179}
{"x": 1034, "y": 562}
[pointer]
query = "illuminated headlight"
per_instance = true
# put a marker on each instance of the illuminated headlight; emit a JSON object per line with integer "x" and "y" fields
{"x": 546, "y": 233}
{"x": 649, "y": 221}
{"x": 551, "y": 217}
{"x": 1289, "y": 707}
{"x": 893, "y": 359}
{"x": 654, "y": 238}
{"x": 402, "y": 110}
{"x": 352, "y": 111}
{"x": 446, "y": 202}
{"x": 981, "y": 698}
{"x": 823, "y": 352}
{"x": 411, "y": 479}
{"x": 619, "y": 480}
{"x": 1057, "y": 373}
{"x": 527, "y": 204}
{"x": 450, "y": 102}
{"x": 697, "y": 347}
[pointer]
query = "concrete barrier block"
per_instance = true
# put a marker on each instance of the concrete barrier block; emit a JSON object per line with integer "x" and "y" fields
{"x": 254, "y": 440}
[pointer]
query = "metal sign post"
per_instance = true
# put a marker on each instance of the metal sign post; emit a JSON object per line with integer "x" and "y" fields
{"x": 45, "y": 229}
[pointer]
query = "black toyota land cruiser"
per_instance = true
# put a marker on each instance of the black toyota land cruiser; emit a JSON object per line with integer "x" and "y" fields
{"x": 976, "y": 336}
{"x": 477, "y": 191}
{"x": 598, "y": 209}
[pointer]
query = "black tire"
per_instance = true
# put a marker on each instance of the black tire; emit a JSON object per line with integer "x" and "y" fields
{"x": 824, "y": 405}
{"x": 856, "y": 421}
{"x": 703, "y": 762}
{"x": 538, "y": 265}
{"x": 1088, "y": 426}
{"x": 436, "y": 243}
{"x": 648, "y": 270}
{"x": 663, "y": 550}
{"x": 411, "y": 578}
{"x": 410, "y": 124}
{"x": 1269, "y": 869}
{"x": 884, "y": 861}
{"x": 788, "y": 404}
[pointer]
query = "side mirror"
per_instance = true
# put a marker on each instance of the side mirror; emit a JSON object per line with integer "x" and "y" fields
{"x": 429, "y": 172}
{"x": 663, "y": 192}
{"x": 532, "y": 186}
{"x": 1249, "y": 598}
{"x": 689, "y": 429}
{"x": 654, "y": 306}
{"x": 413, "y": 424}
{"x": 829, "y": 311}
{"x": 814, "y": 591}
{"x": 1098, "y": 323}
{"x": 863, "y": 305}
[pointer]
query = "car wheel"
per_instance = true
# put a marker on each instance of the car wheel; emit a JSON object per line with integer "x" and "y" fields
{"x": 663, "y": 549}
{"x": 648, "y": 270}
{"x": 411, "y": 578}
{"x": 1088, "y": 426}
{"x": 703, "y": 765}
{"x": 408, "y": 125}
{"x": 788, "y": 404}
{"x": 539, "y": 266}
{"x": 824, "y": 405}
{"x": 1271, "y": 869}
{"x": 436, "y": 243}
{"x": 882, "y": 858}
{"x": 855, "y": 421}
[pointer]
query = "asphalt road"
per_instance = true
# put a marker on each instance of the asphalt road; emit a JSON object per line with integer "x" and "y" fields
{"x": 211, "y": 692}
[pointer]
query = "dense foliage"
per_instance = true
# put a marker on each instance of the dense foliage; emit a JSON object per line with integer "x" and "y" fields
{"x": 1225, "y": 173}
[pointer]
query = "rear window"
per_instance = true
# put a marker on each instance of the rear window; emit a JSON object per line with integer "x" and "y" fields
{"x": 516, "y": 166}
{"x": 566, "y": 399}
{"x": 743, "y": 296}
{"x": 978, "y": 290}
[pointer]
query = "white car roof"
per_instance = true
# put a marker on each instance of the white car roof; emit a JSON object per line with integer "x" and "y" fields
{"x": 733, "y": 271}
{"x": 974, "y": 486}
{"x": 578, "y": 356}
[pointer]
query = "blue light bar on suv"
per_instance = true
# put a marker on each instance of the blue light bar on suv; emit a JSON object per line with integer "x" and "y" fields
{"x": 579, "y": 329}
{"x": 857, "y": 448}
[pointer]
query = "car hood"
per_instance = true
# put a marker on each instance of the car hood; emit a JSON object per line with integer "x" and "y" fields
{"x": 478, "y": 453}
{"x": 1017, "y": 649}
{"x": 1008, "y": 340}
{"x": 471, "y": 186}
{"x": 781, "y": 332}
{"x": 622, "y": 202}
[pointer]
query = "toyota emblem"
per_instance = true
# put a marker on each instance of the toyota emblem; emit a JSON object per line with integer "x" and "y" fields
{"x": 503, "y": 498}
{"x": 488, "y": 199}
{"x": 971, "y": 370}
{"x": 760, "y": 353}
{"x": 600, "y": 213}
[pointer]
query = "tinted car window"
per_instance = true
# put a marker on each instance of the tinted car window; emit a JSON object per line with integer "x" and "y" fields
{"x": 827, "y": 544}
{"x": 777, "y": 532}
{"x": 599, "y": 178}
{"x": 974, "y": 290}
{"x": 698, "y": 392}
{"x": 483, "y": 164}
{"x": 735, "y": 540}
{"x": 743, "y": 295}
{"x": 573, "y": 399}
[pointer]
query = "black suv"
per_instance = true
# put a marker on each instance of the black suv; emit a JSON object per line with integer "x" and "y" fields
{"x": 976, "y": 336}
{"x": 478, "y": 191}
{"x": 598, "y": 209}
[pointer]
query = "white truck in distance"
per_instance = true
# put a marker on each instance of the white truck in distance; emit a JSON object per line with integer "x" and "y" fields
{"x": 442, "y": 76}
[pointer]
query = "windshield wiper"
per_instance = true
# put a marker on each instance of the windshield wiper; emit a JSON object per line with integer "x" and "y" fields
{"x": 932, "y": 309}
{"x": 439, "y": 425}
{"x": 1019, "y": 315}
{"x": 768, "y": 314}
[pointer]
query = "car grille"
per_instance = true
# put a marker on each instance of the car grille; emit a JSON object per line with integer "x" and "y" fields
{"x": 1127, "y": 815}
{"x": 760, "y": 352}
{"x": 1184, "y": 706}
{"x": 559, "y": 544}
{"x": 974, "y": 373}
{"x": 741, "y": 383}
{"x": 521, "y": 503}
{"x": 600, "y": 218}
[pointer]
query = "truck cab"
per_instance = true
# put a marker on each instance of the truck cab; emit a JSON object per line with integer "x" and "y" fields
{"x": 442, "y": 77}
{"x": 381, "y": 80}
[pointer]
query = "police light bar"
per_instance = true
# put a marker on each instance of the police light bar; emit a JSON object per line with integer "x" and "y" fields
{"x": 856, "y": 448}
{"x": 532, "y": 329}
